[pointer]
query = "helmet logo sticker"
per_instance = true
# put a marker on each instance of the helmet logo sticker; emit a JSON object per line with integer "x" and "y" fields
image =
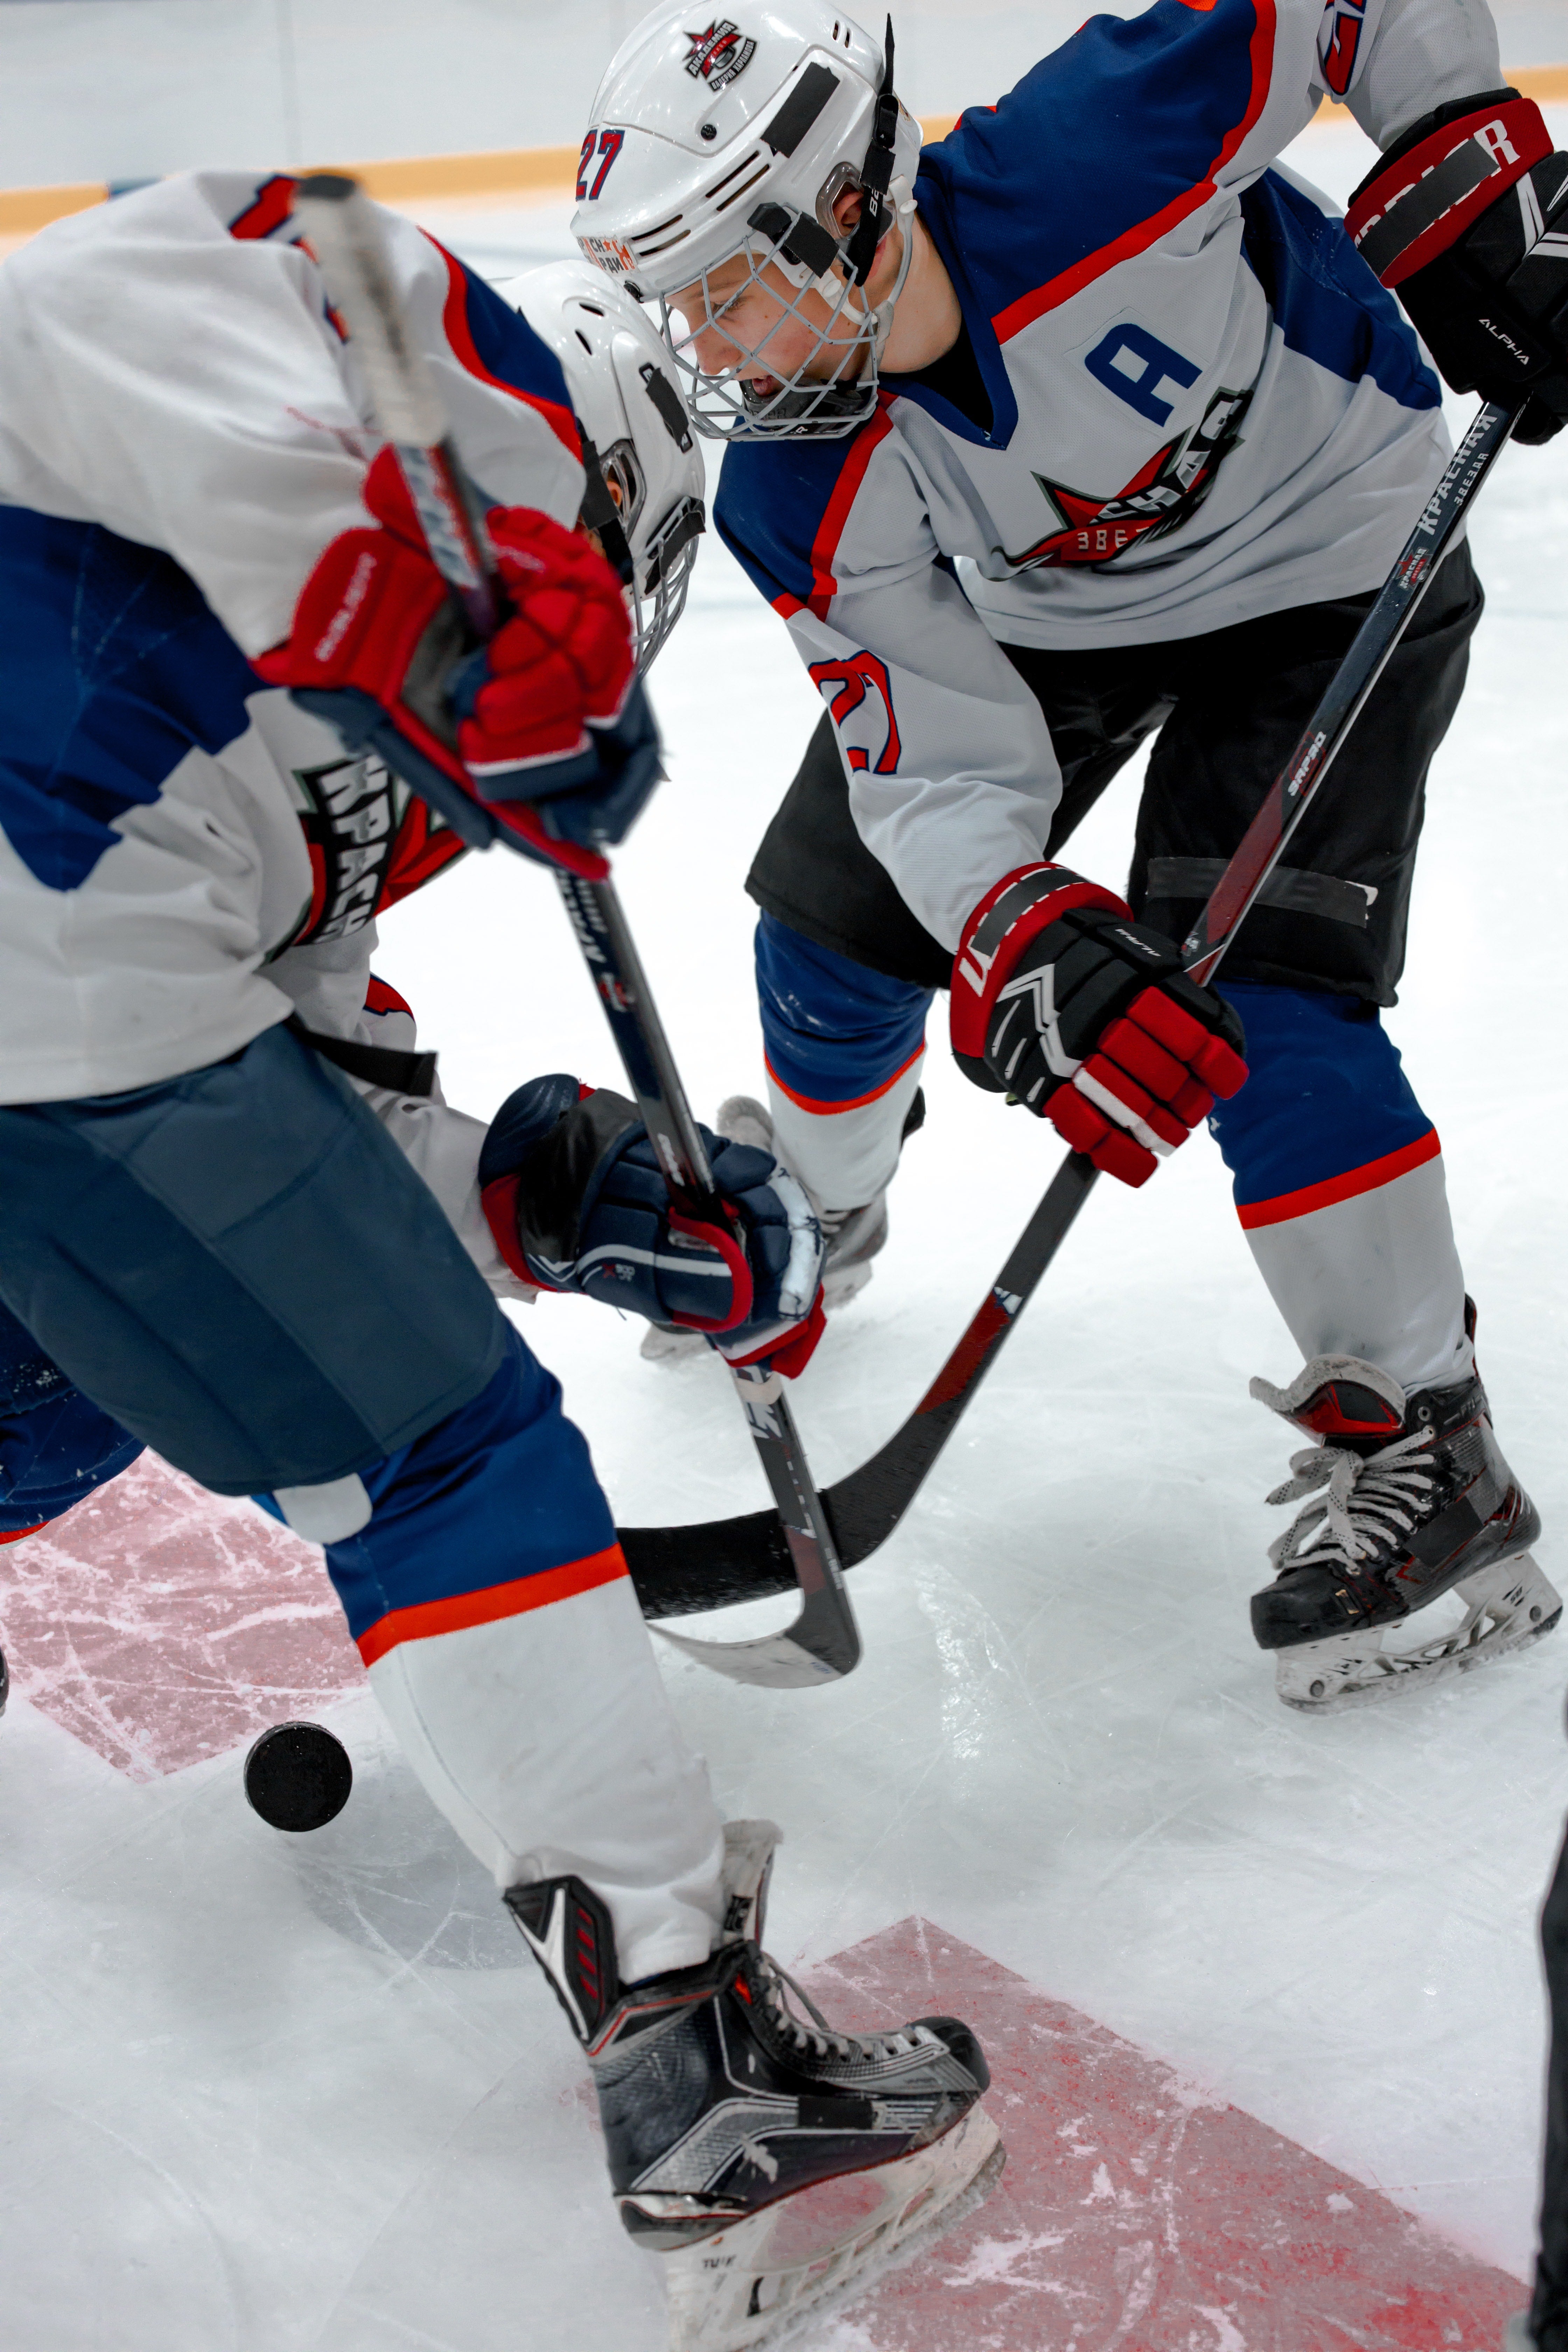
{"x": 719, "y": 55}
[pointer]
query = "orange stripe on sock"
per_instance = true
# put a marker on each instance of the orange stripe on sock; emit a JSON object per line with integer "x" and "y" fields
{"x": 827, "y": 1109}
{"x": 1368, "y": 1179}
{"x": 498, "y": 1600}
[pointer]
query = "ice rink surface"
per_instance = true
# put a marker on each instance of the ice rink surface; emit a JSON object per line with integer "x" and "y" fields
{"x": 273, "y": 2093}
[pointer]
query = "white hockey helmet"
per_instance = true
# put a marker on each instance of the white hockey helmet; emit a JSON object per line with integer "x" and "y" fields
{"x": 646, "y": 485}
{"x": 735, "y": 141}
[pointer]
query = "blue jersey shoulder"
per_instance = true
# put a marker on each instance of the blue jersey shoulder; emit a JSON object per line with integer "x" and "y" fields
{"x": 1098, "y": 147}
{"x": 1325, "y": 300}
{"x": 782, "y": 506}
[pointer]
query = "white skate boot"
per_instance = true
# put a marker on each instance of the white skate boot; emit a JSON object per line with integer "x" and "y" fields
{"x": 722, "y": 2110}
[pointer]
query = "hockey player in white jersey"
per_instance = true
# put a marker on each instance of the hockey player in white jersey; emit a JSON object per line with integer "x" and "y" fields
{"x": 241, "y": 1225}
{"x": 1087, "y": 424}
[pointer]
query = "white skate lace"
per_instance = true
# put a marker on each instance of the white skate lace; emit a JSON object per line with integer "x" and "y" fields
{"x": 1370, "y": 1500}
{"x": 820, "y": 2038}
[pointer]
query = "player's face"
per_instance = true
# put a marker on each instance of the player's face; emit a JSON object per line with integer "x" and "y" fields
{"x": 763, "y": 330}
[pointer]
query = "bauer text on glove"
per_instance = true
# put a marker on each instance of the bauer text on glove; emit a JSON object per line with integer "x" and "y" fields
{"x": 541, "y": 738}
{"x": 574, "y": 1197}
{"x": 1062, "y": 1002}
{"x": 1465, "y": 219}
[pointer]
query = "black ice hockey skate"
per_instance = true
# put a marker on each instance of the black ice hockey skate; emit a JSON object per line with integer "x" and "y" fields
{"x": 1412, "y": 1498}
{"x": 719, "y": 2104}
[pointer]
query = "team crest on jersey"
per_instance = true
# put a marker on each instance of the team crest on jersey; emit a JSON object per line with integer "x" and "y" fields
{"x": 1162, "y": 495}
{"x": 720, "y": 55}
{"x": 370, "y": 841}
{"x": 1339, "y": 42}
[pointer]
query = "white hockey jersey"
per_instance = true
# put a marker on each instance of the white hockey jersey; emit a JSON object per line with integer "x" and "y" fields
{"x": 185, "y": 856}
{"x": 1183, "y": 401}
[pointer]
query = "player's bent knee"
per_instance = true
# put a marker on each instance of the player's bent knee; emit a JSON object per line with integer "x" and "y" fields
{"x": 493, "y": 1513}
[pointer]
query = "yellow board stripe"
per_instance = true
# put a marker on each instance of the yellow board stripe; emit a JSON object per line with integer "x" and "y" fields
{"x": 502, "y": 171}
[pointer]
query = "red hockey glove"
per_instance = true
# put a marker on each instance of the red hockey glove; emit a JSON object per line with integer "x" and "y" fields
{"x": 1062, "y": 1001}
{"x": 1465, "y": 217}
{"x": 540, "y": 737}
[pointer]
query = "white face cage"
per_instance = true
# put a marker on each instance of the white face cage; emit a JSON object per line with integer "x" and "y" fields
{"x": 653, "y": 558}
{"x": 652, "y": 553}
{"x": 643, "y": 493}
{"x": 805, "y": 403}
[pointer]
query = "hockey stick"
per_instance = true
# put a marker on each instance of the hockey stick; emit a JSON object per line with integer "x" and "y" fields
{"x": 680, "y": 1570}
{"x": 824, "y": 1642}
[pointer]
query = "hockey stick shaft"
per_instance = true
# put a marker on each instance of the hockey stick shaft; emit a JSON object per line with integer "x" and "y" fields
{"x": 1233, "y": 897}
{"x": 348, "y": 243}
{"x": 708, "y": 1566}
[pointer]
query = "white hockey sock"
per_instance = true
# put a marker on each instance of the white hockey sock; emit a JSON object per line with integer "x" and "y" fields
{"x": 549, "y": 1742}
{"x": 844, "y": 1158}
{"x": 1377, "y": 1276}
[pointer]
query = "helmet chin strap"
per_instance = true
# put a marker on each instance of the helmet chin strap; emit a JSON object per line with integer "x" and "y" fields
{"x": 901, "y": 201}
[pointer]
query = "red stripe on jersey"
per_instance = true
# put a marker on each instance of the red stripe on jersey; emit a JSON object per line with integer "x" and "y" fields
{"x": 455, "y": 320}
{"x": 273, "y": 205}
{"x": 846, "y": 490}
{"x": 856, "y": 1102}
{"x": 461, "y": 1610}
{"x": 382, "y": 997}
{"x": 786, "y": 605}
{"x": 1067, "y": 282}
{"x": 14, "y": 1535}
{"x": 1347, "y": 1187}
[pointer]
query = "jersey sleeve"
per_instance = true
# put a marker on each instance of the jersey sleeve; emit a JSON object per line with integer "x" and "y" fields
{"x": 169, "y": 368}
{"x": 1392, "y": 61}
{"x": 1139, "y": 131}
{"x": 952, "y": 781}
{"x": 333, "y": 989}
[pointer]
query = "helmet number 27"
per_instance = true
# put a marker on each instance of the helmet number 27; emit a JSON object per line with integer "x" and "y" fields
{"x": 609, "y": 144}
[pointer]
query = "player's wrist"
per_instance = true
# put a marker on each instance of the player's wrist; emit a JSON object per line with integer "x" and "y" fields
{"x": 1013, "y": 914}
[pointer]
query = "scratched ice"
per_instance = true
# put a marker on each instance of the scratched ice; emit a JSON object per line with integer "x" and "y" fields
{"x": 1260, "y": 1990}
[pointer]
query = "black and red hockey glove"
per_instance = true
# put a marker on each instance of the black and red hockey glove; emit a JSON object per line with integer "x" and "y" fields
{"x": 1465, "y": 218}
{"x": 1062, "y": 1001}
{"x": 542, "y": 738}
{"x": 573, "y": 1196}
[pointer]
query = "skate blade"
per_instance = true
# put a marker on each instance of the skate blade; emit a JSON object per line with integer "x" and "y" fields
{"x": 1508, "y": 1605}
{"x": 749, "y": 2288}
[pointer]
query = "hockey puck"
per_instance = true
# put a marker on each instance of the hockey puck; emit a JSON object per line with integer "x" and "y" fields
{"x": 297, "y": 1776}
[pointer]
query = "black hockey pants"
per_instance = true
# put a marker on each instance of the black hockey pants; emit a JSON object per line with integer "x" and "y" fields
{"x": 1229, "y": 707}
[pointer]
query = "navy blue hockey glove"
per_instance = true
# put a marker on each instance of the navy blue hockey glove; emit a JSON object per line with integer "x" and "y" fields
{"x": 575, "y": 1199}
{"x": 1465, "y": 217}
{"x": 55, "y": 1445}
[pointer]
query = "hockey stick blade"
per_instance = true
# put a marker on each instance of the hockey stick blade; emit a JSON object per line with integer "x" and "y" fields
{"x": 824, "y": 1642}
{"x": 717, "y": 1563}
